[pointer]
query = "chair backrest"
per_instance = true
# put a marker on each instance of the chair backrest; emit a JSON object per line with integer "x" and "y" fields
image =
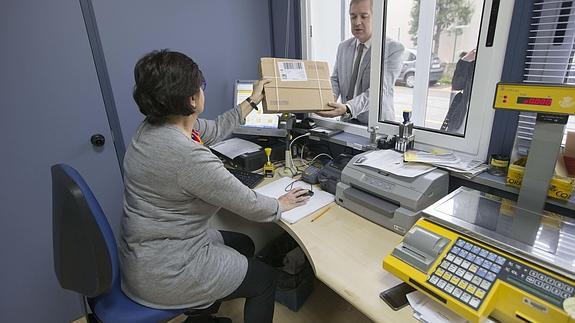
{"x": 85, "y": 253}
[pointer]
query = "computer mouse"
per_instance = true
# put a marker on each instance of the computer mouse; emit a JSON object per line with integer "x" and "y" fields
{"x": 306, "y": 193}
{"x": 308, "y": 123}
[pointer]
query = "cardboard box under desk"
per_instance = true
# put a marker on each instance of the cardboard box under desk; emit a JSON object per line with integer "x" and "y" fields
{"x": 297, "y": 85}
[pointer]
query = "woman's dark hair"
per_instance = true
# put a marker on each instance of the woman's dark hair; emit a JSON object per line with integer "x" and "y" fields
{"x": 165, "y": 81}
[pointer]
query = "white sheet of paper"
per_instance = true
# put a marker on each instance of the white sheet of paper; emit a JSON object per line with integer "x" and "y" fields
{"x": 392, "y": 162}
{"x": 317, "y": 201}
{"x": 234, "y": 147}
{"x": 430, "y": 311}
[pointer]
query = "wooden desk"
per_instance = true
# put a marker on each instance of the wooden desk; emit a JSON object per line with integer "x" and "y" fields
{"x": 346, "y": 252}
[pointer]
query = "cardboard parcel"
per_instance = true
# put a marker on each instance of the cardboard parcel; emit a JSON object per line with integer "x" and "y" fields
{"x": 297, "y": 85}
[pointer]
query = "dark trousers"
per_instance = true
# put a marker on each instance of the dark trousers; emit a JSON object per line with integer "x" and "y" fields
{"x": 259, "y": 285}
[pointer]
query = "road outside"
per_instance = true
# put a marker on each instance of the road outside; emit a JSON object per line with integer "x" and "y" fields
{"x": 437, "y": 104}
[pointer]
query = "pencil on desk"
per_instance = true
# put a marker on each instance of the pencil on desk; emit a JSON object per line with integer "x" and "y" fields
{"x": 322, "y": 213}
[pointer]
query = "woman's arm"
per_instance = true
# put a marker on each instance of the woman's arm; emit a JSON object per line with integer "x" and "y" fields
{"x": 203, "y": 176}
{"x": 257, "y": 96}
{"x": 213, "y": 131}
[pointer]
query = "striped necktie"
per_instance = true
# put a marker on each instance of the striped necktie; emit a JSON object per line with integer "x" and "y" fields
{"x": 351, "y": 90}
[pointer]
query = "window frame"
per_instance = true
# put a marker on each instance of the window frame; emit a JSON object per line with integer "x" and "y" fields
{"x": 476, "y": 141}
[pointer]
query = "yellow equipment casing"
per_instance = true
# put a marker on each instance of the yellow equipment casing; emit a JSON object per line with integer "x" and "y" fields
{"x": 536, "y": 98}
{"x": 506, "y": 299}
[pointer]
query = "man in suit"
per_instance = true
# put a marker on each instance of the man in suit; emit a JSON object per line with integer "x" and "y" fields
{"x": 351, "y": 73}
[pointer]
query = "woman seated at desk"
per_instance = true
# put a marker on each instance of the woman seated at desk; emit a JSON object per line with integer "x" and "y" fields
{"x": 170, "y": 256}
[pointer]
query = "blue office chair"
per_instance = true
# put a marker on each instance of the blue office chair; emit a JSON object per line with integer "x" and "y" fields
{"x": 86, "y": 258}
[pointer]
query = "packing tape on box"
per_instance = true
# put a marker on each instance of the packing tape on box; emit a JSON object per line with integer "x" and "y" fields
{"x": 277, "y": 86}
{"x": 319, "y": 86}
{"x": 276, "y": 78}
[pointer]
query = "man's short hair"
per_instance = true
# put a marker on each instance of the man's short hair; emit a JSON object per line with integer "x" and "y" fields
{"x": 358, "y": 1}
{"x": 165, "y": 81}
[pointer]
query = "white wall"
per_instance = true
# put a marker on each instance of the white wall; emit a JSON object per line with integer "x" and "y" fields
{"x": 326, "y": 25}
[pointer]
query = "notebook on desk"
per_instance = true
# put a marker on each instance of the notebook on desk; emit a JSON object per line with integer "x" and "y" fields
{"x": 316, "y": 202}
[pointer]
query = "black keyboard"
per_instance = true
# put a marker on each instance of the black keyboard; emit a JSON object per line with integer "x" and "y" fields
{"x": 249, "y": 179}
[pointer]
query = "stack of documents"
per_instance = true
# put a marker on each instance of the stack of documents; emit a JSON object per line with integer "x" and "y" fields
{"x": 391, "y": 161}
{"x": 447, "y": 160}
{"x": 427, "y": 310}
{"x": 234, "y": 147}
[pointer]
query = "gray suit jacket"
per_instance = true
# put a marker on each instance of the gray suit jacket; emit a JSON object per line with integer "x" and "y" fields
{"x": 341, "y": 77}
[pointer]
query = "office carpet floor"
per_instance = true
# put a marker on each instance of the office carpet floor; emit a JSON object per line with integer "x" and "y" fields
{"x": 323, "y": 305}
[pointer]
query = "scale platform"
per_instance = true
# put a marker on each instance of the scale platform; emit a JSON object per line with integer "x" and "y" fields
{"x": 482, "y": 256}
{"x": 547, "y": 239}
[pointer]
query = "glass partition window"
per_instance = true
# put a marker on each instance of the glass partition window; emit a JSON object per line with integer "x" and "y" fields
{"x": 438, "y": 88}
{"x": 452, "y": 106}
{"x": 454, "y": 33}
{"x": 427, "y": 56}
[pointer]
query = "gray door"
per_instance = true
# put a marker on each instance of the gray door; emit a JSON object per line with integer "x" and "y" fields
{"x": 51, "y": 105}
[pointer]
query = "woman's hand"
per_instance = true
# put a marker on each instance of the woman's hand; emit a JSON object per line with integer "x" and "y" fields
{"x": 293, "y": 198}
{"x": 258, "y": 91}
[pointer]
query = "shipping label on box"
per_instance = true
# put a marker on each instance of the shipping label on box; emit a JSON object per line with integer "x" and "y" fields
{"x": 297, "y": 85}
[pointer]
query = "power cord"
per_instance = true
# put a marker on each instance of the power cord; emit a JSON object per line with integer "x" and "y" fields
{"x": 289, "y": 187}
{"x": 316, "y": 157}
{"x": 289, "y": 159}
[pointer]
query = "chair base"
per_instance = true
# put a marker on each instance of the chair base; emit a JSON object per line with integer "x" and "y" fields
{"x": 206, "y": 315}
{"x": 91, "y": 318}
{"x": 207, "y": 319}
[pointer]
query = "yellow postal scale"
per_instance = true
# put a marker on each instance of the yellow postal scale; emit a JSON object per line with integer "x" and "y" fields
{"x": 482, "y": 256}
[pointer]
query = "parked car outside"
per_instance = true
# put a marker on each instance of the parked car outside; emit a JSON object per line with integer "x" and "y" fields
{"x": 407, "y": 75}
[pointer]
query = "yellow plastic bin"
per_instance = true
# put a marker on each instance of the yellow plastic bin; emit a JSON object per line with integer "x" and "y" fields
{"x": 560, "y": 187}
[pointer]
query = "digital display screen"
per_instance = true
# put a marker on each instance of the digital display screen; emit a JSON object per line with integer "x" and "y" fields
{"x": 534, "y": 101}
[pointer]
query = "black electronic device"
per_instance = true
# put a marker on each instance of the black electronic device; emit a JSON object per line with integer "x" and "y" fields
{"x": 330, "y": 174}
{"x": 250, "y": 161}
{"x": 307, "y": 193}
{"x": 249, "y": 179}
{"x": 306, "y": 123}
{"x": 386, "y": 142}
{"x": 324, "y": 132}
{"x": 395, "y": 297}
{"x": 310, "y": 174}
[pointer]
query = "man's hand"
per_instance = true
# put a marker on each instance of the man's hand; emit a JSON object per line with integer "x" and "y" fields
{"x": 338, "y": 110}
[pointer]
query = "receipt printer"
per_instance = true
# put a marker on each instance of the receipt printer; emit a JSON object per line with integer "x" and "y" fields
{"x": 389, "y": 200}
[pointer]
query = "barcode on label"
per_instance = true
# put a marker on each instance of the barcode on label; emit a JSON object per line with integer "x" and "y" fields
{"x": 293, "y": 65}
{"x": 292, "y": 71}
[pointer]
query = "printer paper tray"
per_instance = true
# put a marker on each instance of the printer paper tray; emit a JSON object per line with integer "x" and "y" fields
{"x": 371, "y": 202}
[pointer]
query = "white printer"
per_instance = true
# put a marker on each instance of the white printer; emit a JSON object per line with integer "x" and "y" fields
{"x": 389, "y": 200}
